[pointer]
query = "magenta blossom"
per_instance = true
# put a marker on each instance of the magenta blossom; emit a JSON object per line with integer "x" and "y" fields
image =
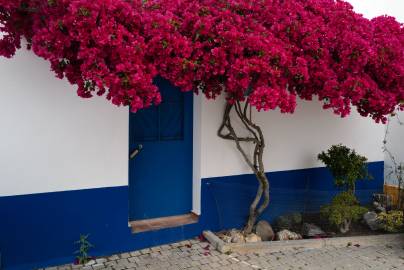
{"x": 265, "y": 52}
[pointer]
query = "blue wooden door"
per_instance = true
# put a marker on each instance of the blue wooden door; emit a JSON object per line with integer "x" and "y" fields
{"x": 160, "y": 174}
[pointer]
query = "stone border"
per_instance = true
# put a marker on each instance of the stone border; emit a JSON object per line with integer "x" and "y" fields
{"x": 276, "y": 246}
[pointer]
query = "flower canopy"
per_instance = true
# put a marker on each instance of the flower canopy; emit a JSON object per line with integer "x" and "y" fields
{"x": 267, "y": 52}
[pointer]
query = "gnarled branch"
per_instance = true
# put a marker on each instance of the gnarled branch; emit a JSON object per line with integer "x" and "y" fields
{"x": 255, "y": 162}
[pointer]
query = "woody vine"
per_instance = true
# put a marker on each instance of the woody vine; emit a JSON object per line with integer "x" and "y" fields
{"x": 255, "y": 161}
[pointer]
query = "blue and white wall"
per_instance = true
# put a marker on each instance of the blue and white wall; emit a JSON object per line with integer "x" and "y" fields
{"x": 298, "y": 180}
{"x": 64, "y": 164}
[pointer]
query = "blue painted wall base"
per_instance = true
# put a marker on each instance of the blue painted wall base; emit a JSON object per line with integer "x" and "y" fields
{"x": 40, "y": 230}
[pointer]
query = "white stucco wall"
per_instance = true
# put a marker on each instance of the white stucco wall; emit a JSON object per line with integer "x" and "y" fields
{"x": 396, "y": 147}
{"x": 293, "y": 140}
{"x": 52, "y": 140}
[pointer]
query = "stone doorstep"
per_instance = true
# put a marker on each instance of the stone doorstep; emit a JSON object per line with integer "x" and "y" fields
{"x": 276, "y": 246}
{"x": 162, "y": 223}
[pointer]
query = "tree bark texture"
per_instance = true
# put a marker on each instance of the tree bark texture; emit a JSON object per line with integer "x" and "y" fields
{"x": 254, "y": 160}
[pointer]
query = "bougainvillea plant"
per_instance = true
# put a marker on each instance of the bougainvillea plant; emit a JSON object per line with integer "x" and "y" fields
{"x": 258, "y": 53}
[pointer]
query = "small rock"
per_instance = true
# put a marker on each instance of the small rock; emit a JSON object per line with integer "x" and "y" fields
{"x": 101, "y": 260}
{"x": 311, "y": 230}
{"x": 380, "y": 209}
{"x": 288, "y": 222}
{"x": 237, "y": 236}
{"x": 233, "y": 232}
{"x": 287, "y": 235}
{"x": 264, "y": 230}
{"x": 371, "y": 220}
{"x": 226, "y": 238}
{"x": 89, "y": 263}
{"x": 252, "y": 238}
{"x": 385, "y": 200}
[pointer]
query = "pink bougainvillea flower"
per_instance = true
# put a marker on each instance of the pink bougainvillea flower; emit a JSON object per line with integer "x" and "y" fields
{"x": 265, "y": 52}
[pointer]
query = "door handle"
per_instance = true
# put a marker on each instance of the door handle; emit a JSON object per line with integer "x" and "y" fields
{"x": 136, "y": 151}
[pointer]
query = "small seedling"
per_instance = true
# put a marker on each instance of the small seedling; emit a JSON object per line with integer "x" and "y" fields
{"x": 84, "y": 247}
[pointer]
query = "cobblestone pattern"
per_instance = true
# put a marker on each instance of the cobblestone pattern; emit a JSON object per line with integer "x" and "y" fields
{"x": 196, "y": 255}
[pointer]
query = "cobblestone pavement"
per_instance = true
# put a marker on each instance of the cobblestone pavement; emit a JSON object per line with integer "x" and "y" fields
{"x": 197, "y": 255}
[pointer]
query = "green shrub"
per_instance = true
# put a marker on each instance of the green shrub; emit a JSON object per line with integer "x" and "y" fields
{"x": 392, "y": 221}
{"x": 343, "y": 209}
{"x": 291, "y": 222}
{"x": 345, "y": 165}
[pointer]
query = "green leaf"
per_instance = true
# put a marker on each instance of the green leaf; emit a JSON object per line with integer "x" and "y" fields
{"x": 84, "y": 12}
{"x": 52, "y": 3}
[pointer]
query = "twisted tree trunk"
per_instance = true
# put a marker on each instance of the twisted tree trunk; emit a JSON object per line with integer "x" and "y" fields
{"x": 254, "y": 161}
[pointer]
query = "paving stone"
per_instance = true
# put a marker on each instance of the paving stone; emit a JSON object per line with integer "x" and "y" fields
{"x": 111, "y": 263}
{"x": 125, "y": 255}
{"x": 113, "y": 258}
{"x": 194, "y": 255}
{"x": 64, "y": 267}
{"x": 101, "y": 260}
{"x": 98, "y": 266}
